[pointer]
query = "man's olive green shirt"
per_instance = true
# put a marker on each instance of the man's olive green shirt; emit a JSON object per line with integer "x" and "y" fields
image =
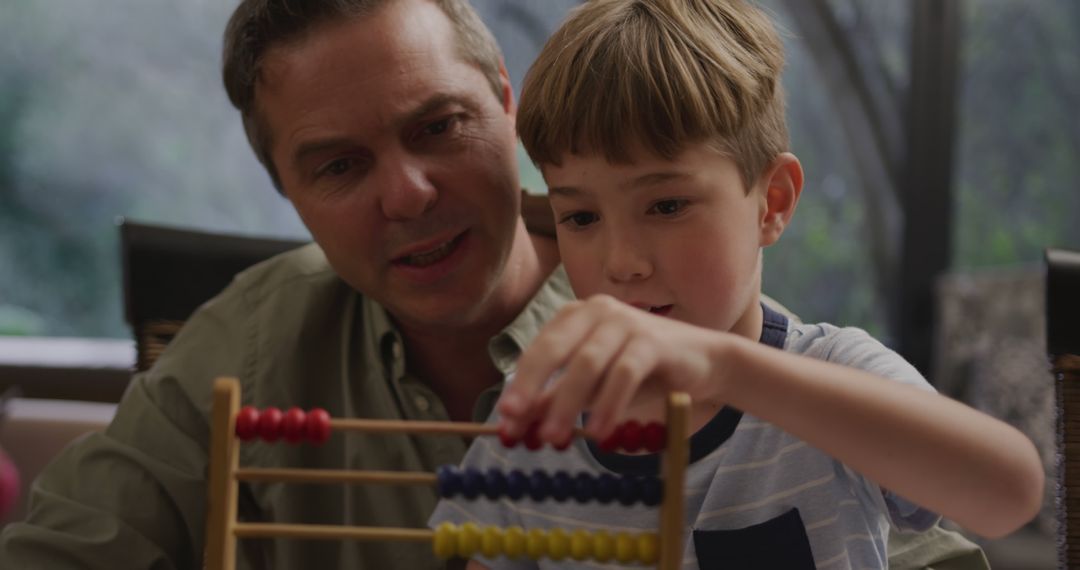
{"x": 135, "y": 496}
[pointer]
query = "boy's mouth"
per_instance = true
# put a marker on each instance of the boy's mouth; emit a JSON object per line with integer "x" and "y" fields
{"x": 661, "y": 310}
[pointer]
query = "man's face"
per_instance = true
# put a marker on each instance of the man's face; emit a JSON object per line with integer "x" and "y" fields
{"x": 399, "y": 159}
{"x": 680, "y": 238}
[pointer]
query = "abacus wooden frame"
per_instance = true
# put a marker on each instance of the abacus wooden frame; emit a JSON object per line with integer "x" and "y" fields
{"x": 223, "y": 528}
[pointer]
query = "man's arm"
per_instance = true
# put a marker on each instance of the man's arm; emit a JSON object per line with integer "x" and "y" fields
{"x": 131, "y": 497}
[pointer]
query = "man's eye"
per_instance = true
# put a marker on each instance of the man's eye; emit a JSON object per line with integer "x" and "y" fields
{"x": 337, "y": 167}
{"x": 668, "y": 207}
{"x": 438, "y": 127}
{"x": 579, "y": 219}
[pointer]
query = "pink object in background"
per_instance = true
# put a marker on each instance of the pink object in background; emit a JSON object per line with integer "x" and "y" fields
{"x": 9, "y": 486}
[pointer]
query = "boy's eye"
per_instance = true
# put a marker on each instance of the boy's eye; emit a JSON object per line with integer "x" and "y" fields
{"x": 668, "y": 207}
{"x": 579, "y": 219}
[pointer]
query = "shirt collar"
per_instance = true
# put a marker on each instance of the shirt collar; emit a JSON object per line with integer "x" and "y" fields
{"x": 388, "y": 348}
{"x": 505, "y": 347}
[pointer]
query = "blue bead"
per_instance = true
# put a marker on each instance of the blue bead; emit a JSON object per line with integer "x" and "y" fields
{"x": 494, "y": 484}
{"x": 449, "y": 481}
{"x": 539, "y": 485}
{"x": 583, "y": 487}
{"x": 652, "y": 492}
{"x": 629, "y": 490}
{"x": 517, "y": 485}
{"x": 606, "y": 488}
{"x": 472, "y": 483}
{"x": 562, "y": 485}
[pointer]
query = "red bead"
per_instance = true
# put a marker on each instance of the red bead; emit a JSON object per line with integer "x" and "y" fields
{"x": 631, "y": 436}
{"x": 294, "y": 425}
{"x": 507, "y": 441}
{"x": 532, "y": 437}
{"x": 318, "y": 426}
{"x": 564, "y": 444}
{"x": 247, "y": 423}
{"x": 270, "y": 424}
{"x": 611, "y": 442}
{"x": 654, "y": 437}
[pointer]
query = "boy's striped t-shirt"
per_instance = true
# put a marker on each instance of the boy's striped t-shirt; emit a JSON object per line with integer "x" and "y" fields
{"x": 755, "y": 495}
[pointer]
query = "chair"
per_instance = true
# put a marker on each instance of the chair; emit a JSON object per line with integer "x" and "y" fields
{"x": 1063, "y": 347}
{"x": 168, "y": 272}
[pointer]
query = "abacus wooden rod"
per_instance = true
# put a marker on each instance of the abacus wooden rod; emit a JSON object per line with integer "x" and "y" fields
{"x": 676, "y": 456}
{"x": 220, "y": 551}
{"x": 403, "y": 426}
{"x": 286, "y": 475}
{"x": 332, "y": 532}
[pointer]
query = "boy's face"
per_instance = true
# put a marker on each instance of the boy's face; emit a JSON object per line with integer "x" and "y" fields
{"x": 680, "y": 238}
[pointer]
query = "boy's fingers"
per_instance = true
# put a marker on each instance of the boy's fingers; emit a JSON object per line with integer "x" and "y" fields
{"x": 540, "y": 361}
{"x": 580, "y": 379}
{"x": 637, "y": 360}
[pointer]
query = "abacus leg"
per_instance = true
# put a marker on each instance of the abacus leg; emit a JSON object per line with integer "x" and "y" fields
{"x": 676, "y": 456}
{"x": 224, "y": 461}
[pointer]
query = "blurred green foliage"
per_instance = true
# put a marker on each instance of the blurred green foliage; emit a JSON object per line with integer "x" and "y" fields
{"x": 115, "y": 108}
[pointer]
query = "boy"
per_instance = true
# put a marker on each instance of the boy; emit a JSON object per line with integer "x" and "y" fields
{"x": 658, "y": 126}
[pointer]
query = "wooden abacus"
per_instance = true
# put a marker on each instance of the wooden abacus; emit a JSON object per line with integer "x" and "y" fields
{"x": 231, "y": 425}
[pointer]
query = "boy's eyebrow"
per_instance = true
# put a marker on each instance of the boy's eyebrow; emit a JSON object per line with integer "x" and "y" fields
{"x": 649, "y": 179}
{"x": 653, "y": 178}
{"x": 565, "y": 191}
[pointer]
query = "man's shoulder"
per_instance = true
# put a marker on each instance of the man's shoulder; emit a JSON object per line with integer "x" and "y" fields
{"x": 305, "y": 266}
{"x": 281, "y": 292}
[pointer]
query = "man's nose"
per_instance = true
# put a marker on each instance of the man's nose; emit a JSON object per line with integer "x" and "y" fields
{"x": 406, "y": 191}
{"x": 626, "y": 258}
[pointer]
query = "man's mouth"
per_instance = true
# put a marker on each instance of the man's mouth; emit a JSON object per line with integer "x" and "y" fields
{"x": 431, "y": 256}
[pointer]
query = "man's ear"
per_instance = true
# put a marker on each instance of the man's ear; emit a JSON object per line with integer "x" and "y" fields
{"x": 783, "y": 182}
{"x": 507, "y": 89}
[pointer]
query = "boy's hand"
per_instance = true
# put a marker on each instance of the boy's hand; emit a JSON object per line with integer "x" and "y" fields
{"x": 602, "y": 355}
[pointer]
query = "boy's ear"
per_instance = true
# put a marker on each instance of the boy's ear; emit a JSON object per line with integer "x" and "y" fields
{"x": 507, "y": 89}
{"x": 783, "y": 182}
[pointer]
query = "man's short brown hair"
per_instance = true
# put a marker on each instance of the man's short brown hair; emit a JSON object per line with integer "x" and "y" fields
{"x": 257, "y": 26}
{"x": 658, "y": 75}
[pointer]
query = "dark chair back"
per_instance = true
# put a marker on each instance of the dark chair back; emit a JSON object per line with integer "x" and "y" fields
{"x": 168, "y": 272}
{"x": 1063, "y": 347}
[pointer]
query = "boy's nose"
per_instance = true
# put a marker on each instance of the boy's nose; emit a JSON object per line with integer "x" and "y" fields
{"x": 405, "y": 190}
{"x": 625, "y": 261}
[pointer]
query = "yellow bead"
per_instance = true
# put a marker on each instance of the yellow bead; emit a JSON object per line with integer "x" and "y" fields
{"x": 558, "y": 544}
{"x": 491, "y": 542}
{"x": 445, "y": 543}
{"x": 514, "y": 542}
{"x": 468, "y": 540}
{"x": 603, "y": 546}
{"x": 648, "y": 548}
{"x": 580, "y": 545}
{"x": 625, "y": 549}
{"x": 536, "y": 544}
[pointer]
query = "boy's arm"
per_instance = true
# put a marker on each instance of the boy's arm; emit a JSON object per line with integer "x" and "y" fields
{"x": 936, "y": 452}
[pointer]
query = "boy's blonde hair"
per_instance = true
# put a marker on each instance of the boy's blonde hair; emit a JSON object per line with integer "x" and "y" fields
{"x": 658, "y": 75}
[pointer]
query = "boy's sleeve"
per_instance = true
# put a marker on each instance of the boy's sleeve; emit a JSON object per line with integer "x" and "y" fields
{"x": 856, "y": 348}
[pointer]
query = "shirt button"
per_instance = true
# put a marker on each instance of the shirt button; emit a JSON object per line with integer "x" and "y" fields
{"x": 422, "y": 403}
